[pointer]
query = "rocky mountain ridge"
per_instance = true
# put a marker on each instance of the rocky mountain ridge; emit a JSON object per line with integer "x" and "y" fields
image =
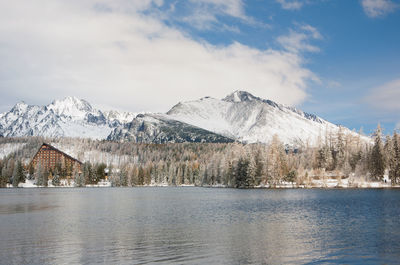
{"x": 240, "y": 116}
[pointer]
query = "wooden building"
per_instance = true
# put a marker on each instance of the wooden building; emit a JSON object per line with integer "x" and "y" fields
{"x": 49, "y": 157}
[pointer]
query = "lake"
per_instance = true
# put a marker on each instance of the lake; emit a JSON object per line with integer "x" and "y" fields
{"x": 188, "y": 225}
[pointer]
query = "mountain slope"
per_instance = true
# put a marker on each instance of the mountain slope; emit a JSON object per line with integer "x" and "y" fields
{"x": 247, "y": 118}
{"x": 158, "y": 128}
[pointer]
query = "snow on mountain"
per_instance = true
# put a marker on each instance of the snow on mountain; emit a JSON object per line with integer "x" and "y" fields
{"x": 251, "y": 119}
{"x": 70, "y": 117}
{"x": 239, "y": 116}
{"x": 123, "y": 117}
{"x": 71, "y": 107}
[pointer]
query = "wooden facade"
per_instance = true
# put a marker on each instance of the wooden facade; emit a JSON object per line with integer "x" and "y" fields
{"x": 49, "y": 157}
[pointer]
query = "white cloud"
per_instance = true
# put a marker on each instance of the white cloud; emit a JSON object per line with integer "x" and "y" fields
{"x": 378, "y": 8}
{"x": 201, "y": 19}
{"x": 385, "y": 97}
{"x": 110, "y": 53}
{"x": 205, "y": 14}
{"x": 291, "y": 4}
{"x": 299, "y": 40}
{"x": 314, "y": 33}
{"x": 234, "y": 8}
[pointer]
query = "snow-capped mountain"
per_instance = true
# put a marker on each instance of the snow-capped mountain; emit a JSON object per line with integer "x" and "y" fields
{"x": 239, "y": 116}
{"x": 250, "y": 119}
{"x": 159, "y": 128}
{"x": 71, "y": 117}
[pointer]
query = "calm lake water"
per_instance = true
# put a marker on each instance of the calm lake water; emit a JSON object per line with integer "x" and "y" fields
{"x": 198, "y": 226}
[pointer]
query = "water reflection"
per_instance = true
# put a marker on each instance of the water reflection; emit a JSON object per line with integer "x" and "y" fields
{"x": 194, "y": 225}
{"x": 24, "y": 208}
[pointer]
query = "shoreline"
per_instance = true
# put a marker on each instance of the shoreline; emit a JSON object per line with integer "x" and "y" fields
{"x": 364, "y": 185}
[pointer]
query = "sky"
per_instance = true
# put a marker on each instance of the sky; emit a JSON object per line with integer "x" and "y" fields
{"x": 338, "y": 59}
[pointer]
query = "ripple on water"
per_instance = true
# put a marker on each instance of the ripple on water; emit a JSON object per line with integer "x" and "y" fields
{"x": 198, "y": 226}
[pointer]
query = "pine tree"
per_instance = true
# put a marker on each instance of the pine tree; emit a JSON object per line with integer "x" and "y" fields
{"x": 388, "y": 150}
{"x": 242, "y": 170}
{"x": 46, "y": 177}
{"x": 291, "y": 176}
{"x": 134, "y": 177}
{"x": 31, "y": 171}
{"x": 355, "y": 159}
{"x": 39, "y": 175}
{"x": 259, "y": 168}
{"x": 251, "y": 172}
{"x": 15, "y": 178}
{"x": 230, "y": 176}
{"x": 8, "y": 170}
{"x": 377, "y": 157}
{"x": 394, "y": 172}
{"x": 3, "y": 179}
{"x": 55, "y": 181}
{"x": 321, "y": 158}
{"x": 340, "y": 150}
{"x": 18, "y": 174}
{"x": 123, "y": 180}
{"x": 87, "y": 172}
{"x": 141, "y": 176}
{"x": 147, "y": 174}
{"x": 100, "y": 171}
{"x": 179, "y": 176}
{"x": 79, "y": 179}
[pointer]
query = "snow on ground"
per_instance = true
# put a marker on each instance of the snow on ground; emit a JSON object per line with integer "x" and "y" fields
{"x": 100, "y": 184}
{"x": 8, "y": 148}
{"x": 30, "y": 183}
{"x": 348, "y": 183}
{"x": 324, "y": 184}
{"x": 332, "y": 183}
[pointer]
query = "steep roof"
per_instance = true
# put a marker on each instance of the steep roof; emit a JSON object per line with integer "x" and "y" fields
{"x": 55, "y": 149}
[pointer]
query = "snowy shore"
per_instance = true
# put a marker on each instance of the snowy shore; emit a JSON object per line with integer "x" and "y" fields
{"x": 321, "y": 184}
{"x": 63, "y": 184}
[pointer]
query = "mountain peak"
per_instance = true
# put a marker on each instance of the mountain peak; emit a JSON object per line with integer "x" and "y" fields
{"x": 19, "y": 107}
{"x": 71, "y": 100}
{"x": 240, "y": 96}
{"x": 70, "y": 106}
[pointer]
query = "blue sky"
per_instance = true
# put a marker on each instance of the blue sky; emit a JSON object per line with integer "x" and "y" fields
{"x": 335, "y": 58}
{"x": 358, "y": 52}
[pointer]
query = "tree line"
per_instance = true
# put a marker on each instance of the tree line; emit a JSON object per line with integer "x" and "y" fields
{"x": 336, "y": 155}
